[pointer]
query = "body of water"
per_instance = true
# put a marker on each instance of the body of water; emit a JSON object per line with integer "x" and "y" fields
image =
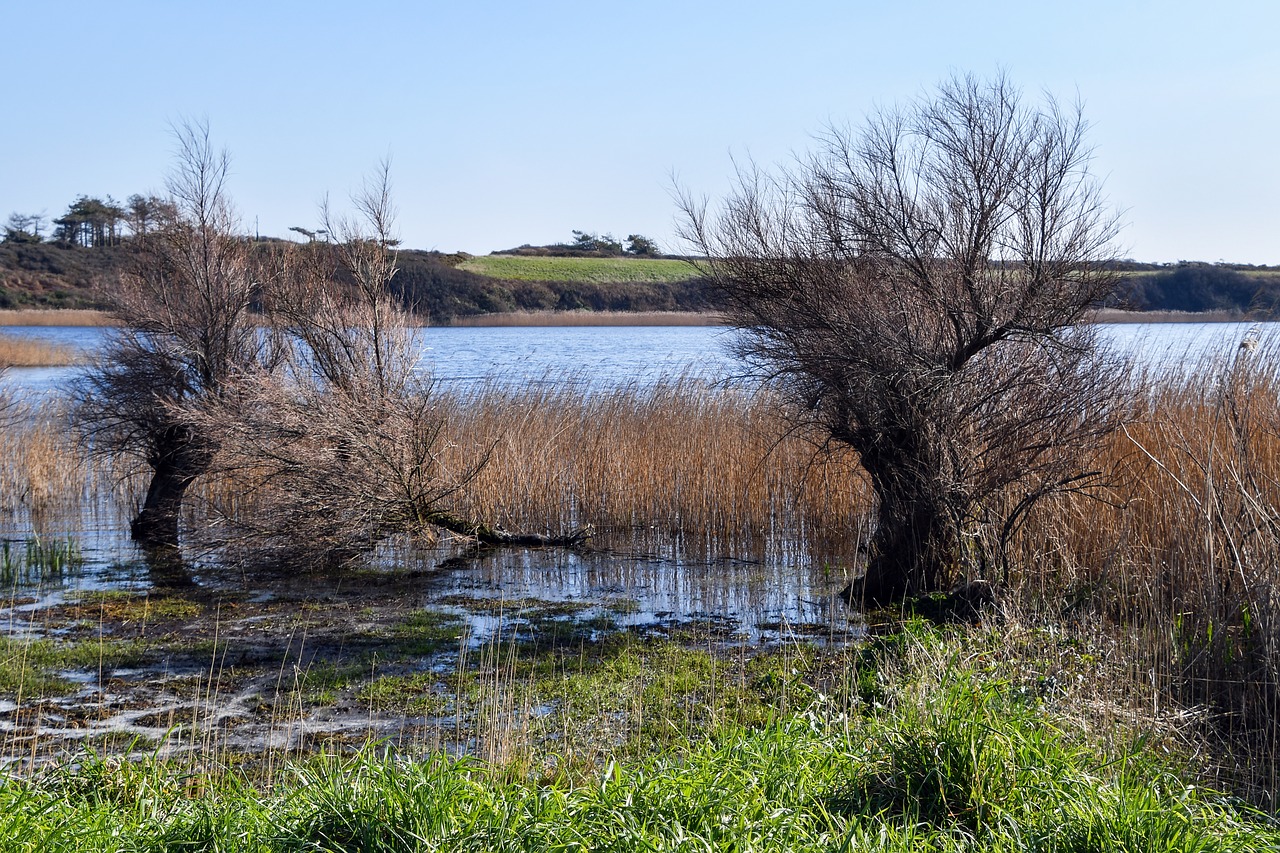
{"x": 607, "y": 356}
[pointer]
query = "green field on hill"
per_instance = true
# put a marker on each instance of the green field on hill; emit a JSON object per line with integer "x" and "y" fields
{"x": 520, "y": 268}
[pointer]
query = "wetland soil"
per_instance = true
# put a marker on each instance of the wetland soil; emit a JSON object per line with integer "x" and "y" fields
{"x": 303, "y": 662}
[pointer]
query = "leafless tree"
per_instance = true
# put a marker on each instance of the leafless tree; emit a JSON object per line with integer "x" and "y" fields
{"x": 344, "y": 446}
{"x": 915, "y": 288}
{"x": 186, "y": 334}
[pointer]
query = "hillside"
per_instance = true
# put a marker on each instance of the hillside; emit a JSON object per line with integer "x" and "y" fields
{"x": 442, "y": 287}
{"x": 47, "y": 275}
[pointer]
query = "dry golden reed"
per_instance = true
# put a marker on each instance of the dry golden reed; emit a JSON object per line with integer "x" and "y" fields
{"x": 1178, "y": 559}
{"x": 41, "y": 466}
{"x": 55, "y": 317}
{"x": 714, "y": 464}
{"x": 19, "y": 351}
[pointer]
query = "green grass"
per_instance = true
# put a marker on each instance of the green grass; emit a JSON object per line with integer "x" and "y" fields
{"x": 425, "y": 632}
{"x": 32, "y": 667}
{"x": 954, "y": 756}
{"x": 418, "y": 693}
{"x": 580, "y": 269}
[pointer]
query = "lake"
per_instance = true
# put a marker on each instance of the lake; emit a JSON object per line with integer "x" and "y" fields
{"x": 617, "y": 355}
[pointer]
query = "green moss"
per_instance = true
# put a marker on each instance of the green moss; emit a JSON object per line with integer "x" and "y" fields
{"x": 135, "y": 607}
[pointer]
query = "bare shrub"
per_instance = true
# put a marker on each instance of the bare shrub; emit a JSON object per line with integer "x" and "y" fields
{"x": 912, "y": 289}
{"x": 345, "y": 444}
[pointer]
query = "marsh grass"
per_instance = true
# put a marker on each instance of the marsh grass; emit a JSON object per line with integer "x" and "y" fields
{"x": 55, "y": 317}
{"x": 721, "y": 468}
{"x": 1179, "y": 559}
{"x": 1173, "y": 568}
{"x": 42, "y": 468}
{"x": 21, "y": 351}
{"x": 38, "y": 561}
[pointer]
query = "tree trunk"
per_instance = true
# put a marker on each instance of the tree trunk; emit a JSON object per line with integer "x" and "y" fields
{"x": 914, "y": 551}
{"x": 916, "y": 545}
{"x": 497, "y": 536}
{"x": 177, "y": 458}
{"x": 156, "y": 524}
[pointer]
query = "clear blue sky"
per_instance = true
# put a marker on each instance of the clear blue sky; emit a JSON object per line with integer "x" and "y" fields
{"x": 510, "y": 123}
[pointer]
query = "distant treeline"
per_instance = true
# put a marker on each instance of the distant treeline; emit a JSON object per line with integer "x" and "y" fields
{"x": 36, "y": 274}
{"x": 1189, "y": 286}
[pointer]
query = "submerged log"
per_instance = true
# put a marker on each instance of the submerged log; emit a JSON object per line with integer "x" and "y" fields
{"x": 490, "y": 535}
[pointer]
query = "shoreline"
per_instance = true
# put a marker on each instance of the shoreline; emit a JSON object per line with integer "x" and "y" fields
{"x": 88, "y": 317}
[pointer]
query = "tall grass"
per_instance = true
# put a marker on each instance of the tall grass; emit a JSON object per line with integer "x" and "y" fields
{"x": 717, "y": 467}
{"x": 19, "y": 351}
{"x": 42, "y": 469}
{"x": 1180, "y": 558}
{"x": 55, "y": 317}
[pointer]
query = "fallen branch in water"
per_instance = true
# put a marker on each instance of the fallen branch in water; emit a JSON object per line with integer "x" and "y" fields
{"x": 497, "y": 536}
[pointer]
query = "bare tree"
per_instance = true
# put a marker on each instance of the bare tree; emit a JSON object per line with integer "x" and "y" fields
{"x": 914, "y": 287}
{"x": 187, "y": 332}
{"x": 343, "y": 447}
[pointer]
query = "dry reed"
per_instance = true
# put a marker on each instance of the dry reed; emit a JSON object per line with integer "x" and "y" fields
{"x": 41, "y": 467}
{"x": 1179, "y": 560}
{"x": 712, "y": 465}
{"x": 19, "y": 351}
{"x": 55, "y": 317}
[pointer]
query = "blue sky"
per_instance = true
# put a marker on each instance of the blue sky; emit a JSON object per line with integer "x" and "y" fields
{"x": 510, "y": 123}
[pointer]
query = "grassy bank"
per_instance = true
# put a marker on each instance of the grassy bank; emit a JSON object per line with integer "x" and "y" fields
{"x": 600, "y": 270}
{"x": 934, "y": 742}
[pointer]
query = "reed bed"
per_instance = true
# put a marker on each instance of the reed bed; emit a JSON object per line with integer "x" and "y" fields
{"x": 55, "y": 317}
{"x": 20, "y": 351}
{"x": 1178, "y": 559}
{"x": 712, "y": 465}
{"x": 42, "y": 468}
